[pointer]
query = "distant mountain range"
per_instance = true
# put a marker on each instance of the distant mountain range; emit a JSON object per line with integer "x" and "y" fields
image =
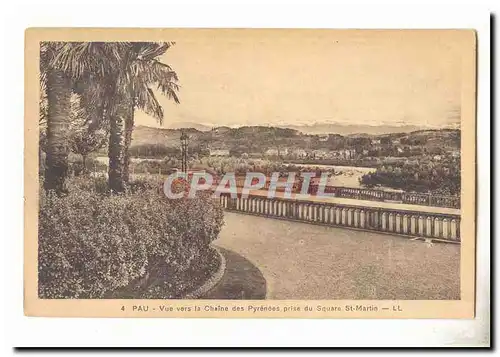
{"x": 353, "y": 129}
{"x": 329, "y": 128}
{"x": 187, "y": 124}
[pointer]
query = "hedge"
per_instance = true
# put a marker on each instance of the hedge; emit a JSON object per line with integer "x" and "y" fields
{"x": 92, "y": 244}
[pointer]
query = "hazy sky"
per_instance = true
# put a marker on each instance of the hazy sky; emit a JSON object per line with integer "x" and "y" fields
{"x": 266, "y": 78}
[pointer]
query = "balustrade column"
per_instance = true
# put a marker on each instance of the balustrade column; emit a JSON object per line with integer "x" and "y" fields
{"x": 446, "y": 228}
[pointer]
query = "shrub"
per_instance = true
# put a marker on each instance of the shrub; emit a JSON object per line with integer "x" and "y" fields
{"x": 91, "y": 165}
{"x": 92, "y": 244}
{"x": 153, "y": 166}
{"x": 98, "y": 183}
{"x": 85, "y": 246}
{"x": 179, "y": 236}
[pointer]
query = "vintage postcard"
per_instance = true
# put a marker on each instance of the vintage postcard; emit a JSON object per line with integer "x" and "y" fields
{"x": 250, "y": 173}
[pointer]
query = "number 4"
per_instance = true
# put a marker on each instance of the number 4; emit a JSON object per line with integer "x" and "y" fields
{"x": 123, "y": 308}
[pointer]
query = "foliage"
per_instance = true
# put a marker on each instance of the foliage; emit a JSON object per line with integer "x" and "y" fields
{"x": 160, "y": 151}
{"x": 154, "y": 150}
{"x": 84, "y": 251}
{"x": 85, "y": 140}
{"x": 129, "y": 65}
{"x": 436, "y": 177}
{"x": 91, "y": 243}
{"x": 154, "y": 166}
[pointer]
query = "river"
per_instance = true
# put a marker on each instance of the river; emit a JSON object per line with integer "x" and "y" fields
{"x": 345, "y": 176}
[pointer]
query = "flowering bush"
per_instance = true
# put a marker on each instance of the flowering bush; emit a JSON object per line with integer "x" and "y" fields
{"x": 92, "y": 244}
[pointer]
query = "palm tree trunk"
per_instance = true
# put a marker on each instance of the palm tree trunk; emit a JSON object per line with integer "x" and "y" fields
{"x": 129, "y": 128}
{"x": 117, "y": 141}
{"x": 59, "y": 105}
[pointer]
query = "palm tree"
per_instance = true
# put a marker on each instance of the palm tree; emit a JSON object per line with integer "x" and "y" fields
{"x": 56, "y": 86}
{"x": 100, "y": 75}
{"x": 114, "y": 78}
{"x": 146, "y": 70}
{"x": 139, "y": 69}
{"x": 63, "y": 68}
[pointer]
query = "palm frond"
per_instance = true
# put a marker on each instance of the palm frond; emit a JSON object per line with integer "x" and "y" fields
{"x": 146, "y": 101}
{"x": 73, "y": 58}
{"x": 170, "y": 92}
{"x": 159, "y": 74}
{"x": 154, "y": 71}
{"x": 48, "y": 51}
{"x": 93, "y": 100}
{"x": 150, "y": 50}
{"x": 77, "y": 59}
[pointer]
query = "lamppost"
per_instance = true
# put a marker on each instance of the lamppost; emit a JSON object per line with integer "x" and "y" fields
{"x": 184, "y": 149}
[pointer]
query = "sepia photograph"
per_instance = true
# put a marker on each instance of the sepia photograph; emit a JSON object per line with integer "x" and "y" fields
{"x": 264, "y": 173}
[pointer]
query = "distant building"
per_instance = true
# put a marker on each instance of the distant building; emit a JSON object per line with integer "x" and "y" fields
{"x": 337, "y": 153}
{"x": 271, "y": 152}
{"x": 320, "y": 154}
{"x": 324, "y": 137}
{"x": 411, "y": 161}
{"x": 299, "y": 153}
{"x": 375, "y": 142}
{"x": 436, "y": 157}
{"x": 276, "y": 152}
{"x": 219, "y": 152}
{"x": 346, "y": 154}
{"x": 394, "y": 160}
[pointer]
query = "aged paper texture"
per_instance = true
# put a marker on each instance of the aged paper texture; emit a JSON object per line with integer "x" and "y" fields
{"x": 250, "y": 173}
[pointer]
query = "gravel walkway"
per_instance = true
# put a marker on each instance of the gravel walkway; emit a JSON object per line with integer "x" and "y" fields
{"x": 305, "y": 261}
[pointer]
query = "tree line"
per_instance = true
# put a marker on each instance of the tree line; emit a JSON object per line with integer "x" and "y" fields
{"x": 442, "y": 178}
{"x": 104, "y": 83}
